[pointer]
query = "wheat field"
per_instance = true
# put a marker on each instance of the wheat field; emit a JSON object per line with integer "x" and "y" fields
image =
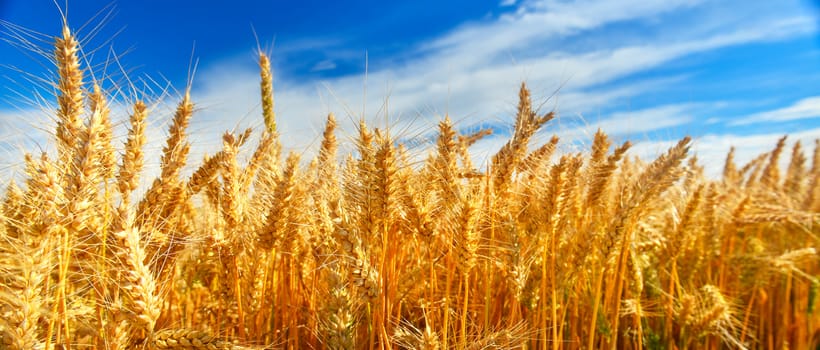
{"x": 258, "y": 249}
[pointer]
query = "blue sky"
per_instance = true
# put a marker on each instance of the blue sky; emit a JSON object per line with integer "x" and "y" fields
{"x": 727, "y": 72}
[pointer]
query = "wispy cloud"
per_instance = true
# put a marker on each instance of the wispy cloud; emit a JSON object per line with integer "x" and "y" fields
{"x": 634, "y": 123}
{"x": 536, "y": 21}
{"x": 806, "y": 108}
{"x": 323, "y": 66}
{"x": 473, "y": 71}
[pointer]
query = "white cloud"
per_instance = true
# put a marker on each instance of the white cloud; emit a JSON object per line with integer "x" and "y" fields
{"x": 540, "y": 20}
{"x": 324, "y": 65}
{"x": 461, "y": 74}
{"x": 19, "y": 133}
{"x": 806, "y": 108}
{"x": 507, "y": 3}
{"x": 473, "y": 73}
{"x": 18, "y": 126}
{"x": 634, "y": 123}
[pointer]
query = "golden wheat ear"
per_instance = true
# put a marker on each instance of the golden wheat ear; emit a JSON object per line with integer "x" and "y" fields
{"x": 509, "y": 157}
{"x": 277, "y": 219}
{"x": 138, "y": 281}
{"x": 133, "y": 157}
{"x": 70, "y": 94}
{"x": 23, "y": 290}
{"x": 267, "y": 93}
